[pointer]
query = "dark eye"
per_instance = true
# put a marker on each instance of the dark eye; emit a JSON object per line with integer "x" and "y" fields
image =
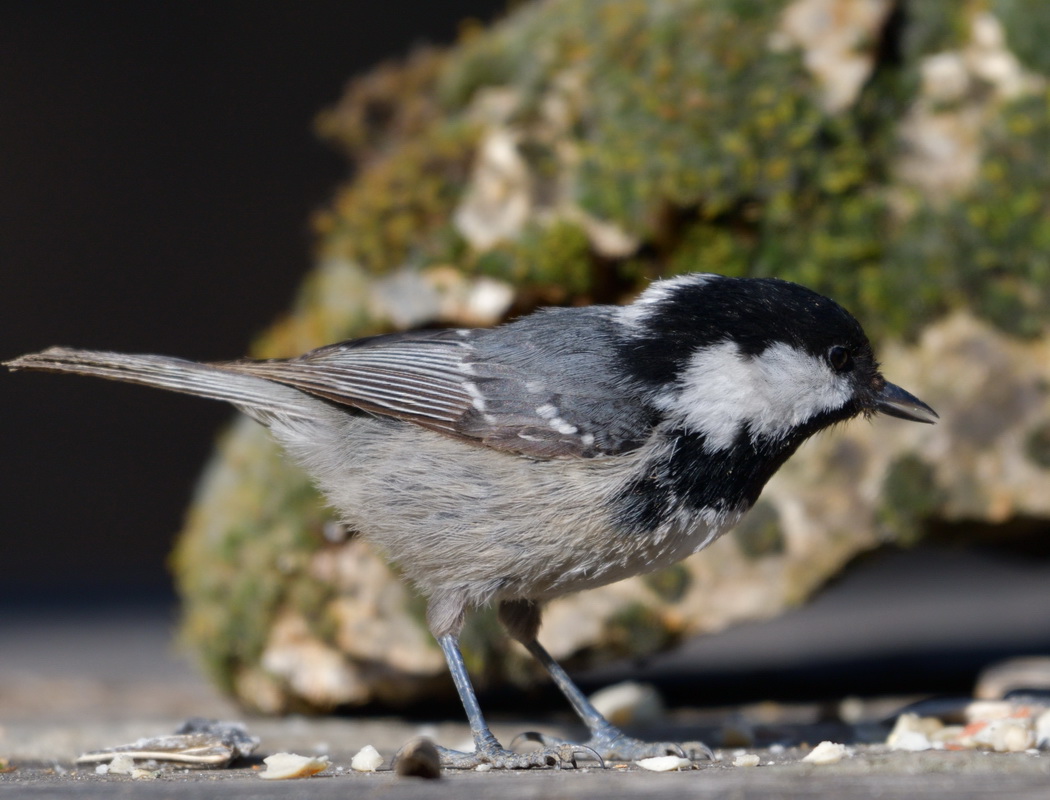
{"x": 840, "y": 359}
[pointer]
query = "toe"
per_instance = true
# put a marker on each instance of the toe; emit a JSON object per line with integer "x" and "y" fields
{"x": 614, "y": 745}
{"x": 561, "y": 746}
{"x": 555, "y": 753}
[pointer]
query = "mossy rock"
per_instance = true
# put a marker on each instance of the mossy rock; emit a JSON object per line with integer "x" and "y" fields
{"x": 574, "y": 151}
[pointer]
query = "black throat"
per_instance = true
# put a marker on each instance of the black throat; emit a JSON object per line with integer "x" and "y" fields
{"x": 684, "y": 478}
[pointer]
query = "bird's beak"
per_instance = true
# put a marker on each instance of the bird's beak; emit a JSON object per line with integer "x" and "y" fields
{"x": 896, "y": 402}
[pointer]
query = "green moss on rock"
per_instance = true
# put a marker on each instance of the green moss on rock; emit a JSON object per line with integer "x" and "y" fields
{"x": 1037, "y": 445}
{"x": 759, "y": 533}
{"x": 671, "y": 583}
{"x": 636, "y": 630}
{"x": 909, "y": 497}
{"x": 398, "y": 209}
{"x": 695, "y": 135}
{"x": 1025, "y": 23}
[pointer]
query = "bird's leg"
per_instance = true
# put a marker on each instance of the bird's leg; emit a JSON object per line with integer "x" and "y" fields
{"x": 487, "y": 749}
{"x": 606, "y": 739}
{"x": 522, "y": 621}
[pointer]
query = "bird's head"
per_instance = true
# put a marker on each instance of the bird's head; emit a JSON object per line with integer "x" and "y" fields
{"x": 759, "y": 358}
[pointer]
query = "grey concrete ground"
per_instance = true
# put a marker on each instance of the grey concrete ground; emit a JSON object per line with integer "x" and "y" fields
{"x": 910, "y": 777}
{"x": 72, "y": 680}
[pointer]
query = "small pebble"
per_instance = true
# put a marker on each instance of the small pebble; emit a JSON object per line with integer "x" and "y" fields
{"x": 367, "y": 759}
{"x": 665, "y": 763}
{"x": 746, "y": 760}
{"x": 911, "y": 741}
{"x": 122, "y": 764}
{"x": 827, "y": 753}
{"x": 418, "y": 759}
{"x": 285, "y": 766}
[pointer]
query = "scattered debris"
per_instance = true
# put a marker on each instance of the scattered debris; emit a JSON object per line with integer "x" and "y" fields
{"x": 914, "y": 733}
{"x": 419, "y": 758}
{"x": 367, "y": 759}
{"x": 286, "y": 766}
{"x": 1002, "y": 734}
{"x": 1004, "y": 726}
{"x": 199, "y": 743}
{"x": 665, "y": 763}
{"x": 827, "y": 753}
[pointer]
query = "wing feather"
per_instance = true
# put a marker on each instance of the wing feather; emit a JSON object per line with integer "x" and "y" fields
{"x": 533, "y": 388}
{"x": 417, "y": 376}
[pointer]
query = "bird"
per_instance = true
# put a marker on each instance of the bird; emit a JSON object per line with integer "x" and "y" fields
{"x": 561, "y": 451}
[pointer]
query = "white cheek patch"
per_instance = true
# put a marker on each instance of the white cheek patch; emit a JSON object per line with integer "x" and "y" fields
{"x": 723, "y": 390}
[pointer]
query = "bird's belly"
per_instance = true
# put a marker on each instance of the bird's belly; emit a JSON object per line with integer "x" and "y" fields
{"x": 486, "y": 525}
{"x": 617, "y": 556}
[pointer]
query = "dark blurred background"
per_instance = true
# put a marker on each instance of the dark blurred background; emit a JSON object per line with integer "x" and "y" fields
{"x": 158, "y": 169}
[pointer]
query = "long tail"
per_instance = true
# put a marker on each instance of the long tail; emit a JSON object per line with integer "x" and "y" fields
{"x": 256, "y": 396}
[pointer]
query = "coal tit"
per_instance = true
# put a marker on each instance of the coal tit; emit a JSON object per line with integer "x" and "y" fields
{"x": 564, "y": 450}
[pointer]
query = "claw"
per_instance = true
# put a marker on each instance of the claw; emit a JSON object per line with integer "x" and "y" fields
{"x": 678, "y": 749}
{"x": 614, "y": 744}
{"x": 699, "y": 749}
{"x": 549, "y": 741}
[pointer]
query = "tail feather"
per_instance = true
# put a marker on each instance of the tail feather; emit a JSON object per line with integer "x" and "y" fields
{"x": 256, "y": 396}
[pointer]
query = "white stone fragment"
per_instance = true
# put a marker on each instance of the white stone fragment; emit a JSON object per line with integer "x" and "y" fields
{"x": 1008, "y": 735}
{"x": 832, "y": 36}
{"x": 912, "y": 741}
{"x": 284, "y": 766}
{"x": 913, "y": 733}
{"x": 949, "y": 734}
{"x": 827, "y": 753}
{"x": 665, "y": 763}
{"x": 498, "y": 201}
{"x": 746, "y": 760}
{"x": 367, "y": 759}
{"x": 122, "y": 764}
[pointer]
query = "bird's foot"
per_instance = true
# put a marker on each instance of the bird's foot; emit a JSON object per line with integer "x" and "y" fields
{"x": 556, "y": 753}
{"x": 612, "y": 744}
